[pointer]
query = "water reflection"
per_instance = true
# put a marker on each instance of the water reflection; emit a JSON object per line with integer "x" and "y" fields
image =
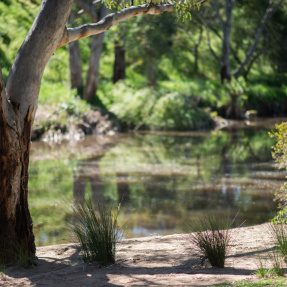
{"x": 161, "y": 180}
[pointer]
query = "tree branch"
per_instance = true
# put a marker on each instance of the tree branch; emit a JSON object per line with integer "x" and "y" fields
{"x": 89, "y": 9}
{"x": 216, "y": 7}
{"x": 268, "y": 13}
{"x": 72, "y": 34}
{"x": 210, "y": 48}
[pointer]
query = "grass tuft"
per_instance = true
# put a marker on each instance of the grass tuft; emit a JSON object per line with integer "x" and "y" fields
{"x": 2, "y": 271}
{"x": 96, "y": 231}
{"x": 211, "y": 235}
{"x": 279, "y": 233}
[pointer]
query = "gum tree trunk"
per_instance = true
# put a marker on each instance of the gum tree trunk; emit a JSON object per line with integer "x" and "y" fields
{"x": 18, "y": 104}
{"x": 15, "y": 219}
{"x": 226, "y": 27}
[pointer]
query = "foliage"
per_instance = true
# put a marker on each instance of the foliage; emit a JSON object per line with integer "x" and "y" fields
{"x": 160, "y": 51}
{"x": 273, "y": 281}
{"x": 279, "y": 153}
{"x": 22, "y": 255}
{"x": 211, "y": 235}
{"x": 96, "y": 231}
{"x": 279, "y": 233}
{"x": 16, "y": 20}
{"x": 158, "y": 109}
{"x": 275, "y": 259}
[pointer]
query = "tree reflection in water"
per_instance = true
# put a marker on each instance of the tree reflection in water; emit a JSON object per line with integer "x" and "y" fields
{"x": 163, "y": 180}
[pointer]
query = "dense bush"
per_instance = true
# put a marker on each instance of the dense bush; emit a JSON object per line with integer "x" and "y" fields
{"x": 158, "y": 109}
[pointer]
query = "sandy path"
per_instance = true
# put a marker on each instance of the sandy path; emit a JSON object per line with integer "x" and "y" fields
{"x": 150, "y": 261}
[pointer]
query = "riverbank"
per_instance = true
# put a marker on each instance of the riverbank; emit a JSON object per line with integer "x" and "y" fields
{"x": 68, "y": 122}
{"x": 149, "y": 261}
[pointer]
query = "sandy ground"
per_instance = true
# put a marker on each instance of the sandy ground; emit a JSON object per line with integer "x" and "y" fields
{"x": 150, "y": 261}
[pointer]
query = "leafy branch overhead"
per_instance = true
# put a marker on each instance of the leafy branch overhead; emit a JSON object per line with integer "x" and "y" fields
{"x": 151, "y": 8}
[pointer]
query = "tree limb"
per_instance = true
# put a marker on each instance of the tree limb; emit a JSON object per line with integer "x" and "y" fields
{"x": 210, "y": 48}
{"x": 207, "y": 26}
{"x": 268, "y": 13}
{"x": 216, "y": 7}
{"x": 89, "y": 9}
{"x": 72, "y": 34}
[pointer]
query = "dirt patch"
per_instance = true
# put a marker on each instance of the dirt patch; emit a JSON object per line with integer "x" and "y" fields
{"x": 150, "y": 261}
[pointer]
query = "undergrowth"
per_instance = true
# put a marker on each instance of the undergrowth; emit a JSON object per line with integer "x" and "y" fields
{"x": 211, "y": 235}
{"x": 96, "y": 231}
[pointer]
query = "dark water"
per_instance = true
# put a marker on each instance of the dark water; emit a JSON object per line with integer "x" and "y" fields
{"x": 161, "y": 180}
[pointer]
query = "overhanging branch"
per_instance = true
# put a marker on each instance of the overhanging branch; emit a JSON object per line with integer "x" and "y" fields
{"x": 73, "y": 34}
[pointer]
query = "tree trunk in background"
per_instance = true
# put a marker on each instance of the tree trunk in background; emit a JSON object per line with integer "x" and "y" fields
{"x": 196, "y": 47}
{"x": 123, "y": 188}
{"x": 119, "y": 64}
{"x": 76, "y": 67}
{"x": 91, "y": 86}
{"x": 97, "y": 185}
{"x": 225, "y": 58}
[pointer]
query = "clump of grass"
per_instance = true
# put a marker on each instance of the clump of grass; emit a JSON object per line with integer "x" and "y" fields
{"x": 275, "y": 260}
{"x": 22, "y": 255}
{"x": 211, "y": 235}
{"x": 96, "y": 231}
{"x": 17, "y": 253}
{"x": 2, "y": 270}
{"x": 278, "y": 282}
{"x": 262, "y": 271}
{"x": 279, "y": 233}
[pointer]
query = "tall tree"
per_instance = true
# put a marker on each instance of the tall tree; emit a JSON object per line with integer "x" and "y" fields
{"x": 222, "y": 14}
{"x": 87, "y": 91}
{"x": 18, "y": 105}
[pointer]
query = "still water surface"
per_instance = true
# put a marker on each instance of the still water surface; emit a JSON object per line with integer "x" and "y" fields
{"x": 162, "y": 180}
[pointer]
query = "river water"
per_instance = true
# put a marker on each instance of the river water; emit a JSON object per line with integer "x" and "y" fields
{"x": 161, "y": 180}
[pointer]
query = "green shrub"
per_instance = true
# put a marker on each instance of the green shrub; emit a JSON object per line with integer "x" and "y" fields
{"x": 279, "y": 153}
{"x": 96, "y": 231}
{"x": 157, "y": 109}
{"x": 211, "y": 235}
{"x": 279, "y": 233}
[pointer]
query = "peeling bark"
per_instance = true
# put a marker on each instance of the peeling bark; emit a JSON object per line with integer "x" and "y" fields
{"x": 15, "y": 220}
